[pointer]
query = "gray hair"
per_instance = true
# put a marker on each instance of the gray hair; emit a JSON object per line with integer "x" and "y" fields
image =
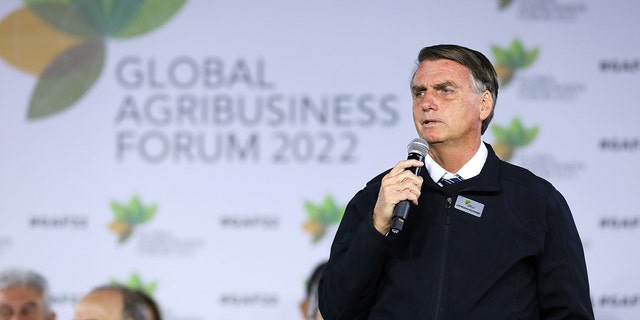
{"x": 27, "y": 278}
{"x": 483, "y": 74}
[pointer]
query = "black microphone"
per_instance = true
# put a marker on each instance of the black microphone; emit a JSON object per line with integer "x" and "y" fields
{"x": 417, "y": 149}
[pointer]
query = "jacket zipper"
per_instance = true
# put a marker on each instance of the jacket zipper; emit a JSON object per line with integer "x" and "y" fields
{"x": 444, "y": 257}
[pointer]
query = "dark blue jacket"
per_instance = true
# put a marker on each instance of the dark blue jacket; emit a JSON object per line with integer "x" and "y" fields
{"x": 522, "y": 258}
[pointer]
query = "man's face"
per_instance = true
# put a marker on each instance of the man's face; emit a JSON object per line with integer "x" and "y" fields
{"x": 100, "y": 305}
{"x": 446, "y": 110}
{"x": 23, "y": 303}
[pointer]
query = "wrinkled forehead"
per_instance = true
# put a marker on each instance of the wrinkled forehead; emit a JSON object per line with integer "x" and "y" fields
{"x": 100, "y": 305}
{"x": 20, "y": 294}
{"x": 434, "y": 72}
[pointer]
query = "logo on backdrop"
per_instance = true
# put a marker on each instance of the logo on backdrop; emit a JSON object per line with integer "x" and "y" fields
{"x": 129, "y": 215}
{"x": 620, "y": 65}
{"x": 618, "y": 300}
{"x": 59, "y": 222}
{"x": 620, "y": 223}
{"x": 620, "y": 144}
{"x": 211, "y": 110}
{"x": 256, "y": 300}
{"x": 547, "y": 10}
{"x": 540, "y": 87}
{"x": 170, "y": 112}
{"x": 252, "y": 221}
{"x": 321, "y": 216}
{"x": 508, "y": 60}
{"x": 508, "y": 139}
{"x": 63, "y": 43}
{"x": 135, "y": 282}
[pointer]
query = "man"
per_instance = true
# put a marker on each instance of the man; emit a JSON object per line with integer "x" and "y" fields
{"x": 152, "y": 309}
{"x": 112, "y": 302}
{"x": 309, "y": 306}
{"x": 24, "y": 295}
{"x": 499, "y": 244}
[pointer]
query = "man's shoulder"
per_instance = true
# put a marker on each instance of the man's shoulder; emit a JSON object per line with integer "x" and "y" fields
{"x": 515, "y": 174}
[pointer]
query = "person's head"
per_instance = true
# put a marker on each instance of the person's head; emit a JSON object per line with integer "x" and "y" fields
{"x": 110, "y": 302}
{"x": 309, "y": 306}
{"x": 151, "y": 306}
{"x": 24, "y": 295}
{"x": 458, "y": 82}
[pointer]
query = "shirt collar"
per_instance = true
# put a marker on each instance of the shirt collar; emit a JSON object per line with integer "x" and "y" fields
{"x": 470, "y": 169}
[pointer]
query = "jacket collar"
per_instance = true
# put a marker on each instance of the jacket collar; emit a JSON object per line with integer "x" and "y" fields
{"x": 487, "y": 181}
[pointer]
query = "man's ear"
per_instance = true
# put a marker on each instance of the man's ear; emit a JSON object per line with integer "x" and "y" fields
{"x": 487, "y": 104}
{"x": 304, "y": 307}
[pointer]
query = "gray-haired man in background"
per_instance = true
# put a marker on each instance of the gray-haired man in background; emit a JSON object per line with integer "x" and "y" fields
{"x": 24, "y": 295}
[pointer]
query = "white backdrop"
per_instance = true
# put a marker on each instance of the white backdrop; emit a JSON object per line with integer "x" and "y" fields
{"x": 227, "y": 119}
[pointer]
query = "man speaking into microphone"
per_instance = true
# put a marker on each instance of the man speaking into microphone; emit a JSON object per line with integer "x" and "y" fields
{"x": 479, "y": 239}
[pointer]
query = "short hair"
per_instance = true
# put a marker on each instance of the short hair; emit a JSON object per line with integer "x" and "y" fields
{"x": 483, "y": 74}
{"x": 312, "y": 289}
{"x": 27, "y": 278}
{"x": 132, "y": 304}
{"x": 151, "y": 303}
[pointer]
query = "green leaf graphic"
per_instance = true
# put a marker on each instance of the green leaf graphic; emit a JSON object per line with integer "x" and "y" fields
{"x": 499, "y": 133}
{"x": 312, "y": 211}
{"x": 135, "y": 283}
{"x": 150, "y": 288}
{"x": 118, "y": 211}
{"x": 321, "y": 216}
{"x": 65, "y": 17}
{"x": 500, "y": 55}
{"x": 530, "y": 135}
{"x": 153, "y": 14}
{"x": 330, "y": 210}
{"x": 136, "y": 211}
{"x": 30, "y": 2}
{"x": 67, "y": 79}
{"x": 515, "y": 135}
{"x": 516, "y": 52}
{"x": 530, "y": 57}
{"x": 108, "y": 16}
{"x": 149, "y": 213}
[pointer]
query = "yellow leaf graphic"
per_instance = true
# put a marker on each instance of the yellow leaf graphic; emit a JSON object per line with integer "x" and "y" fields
{"x": 29, "y": 43}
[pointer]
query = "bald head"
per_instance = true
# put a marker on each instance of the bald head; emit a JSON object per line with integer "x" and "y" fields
{"x": 110, "y": 303}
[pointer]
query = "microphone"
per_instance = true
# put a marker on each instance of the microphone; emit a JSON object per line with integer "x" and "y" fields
{"x": 417, "y": 149}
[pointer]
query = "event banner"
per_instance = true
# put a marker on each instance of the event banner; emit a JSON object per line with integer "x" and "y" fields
{"x": 204, "y": 151}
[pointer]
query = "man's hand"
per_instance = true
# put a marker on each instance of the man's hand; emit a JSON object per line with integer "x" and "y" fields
{"x": 399, "y": 184}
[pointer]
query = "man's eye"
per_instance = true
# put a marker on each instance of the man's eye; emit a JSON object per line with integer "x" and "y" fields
{"x": 29, "y": 311}
{"x": 419, "y": 94}
{"x": 5, "y": 312}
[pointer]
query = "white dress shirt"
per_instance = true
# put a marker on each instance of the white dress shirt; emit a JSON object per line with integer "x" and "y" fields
{"x": 470, "y": 169}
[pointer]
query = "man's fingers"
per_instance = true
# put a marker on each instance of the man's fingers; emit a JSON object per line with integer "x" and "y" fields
{"x": 404, "y": 165}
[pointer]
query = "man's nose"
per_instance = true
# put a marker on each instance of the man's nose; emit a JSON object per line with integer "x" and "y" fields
{"x": 428, "y": 101}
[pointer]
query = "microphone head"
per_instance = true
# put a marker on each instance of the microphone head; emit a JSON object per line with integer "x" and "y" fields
{"x": 418, "y": 146}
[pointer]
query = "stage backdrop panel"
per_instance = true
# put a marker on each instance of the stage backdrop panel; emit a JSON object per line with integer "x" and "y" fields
{"x": 204, "y": 150}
